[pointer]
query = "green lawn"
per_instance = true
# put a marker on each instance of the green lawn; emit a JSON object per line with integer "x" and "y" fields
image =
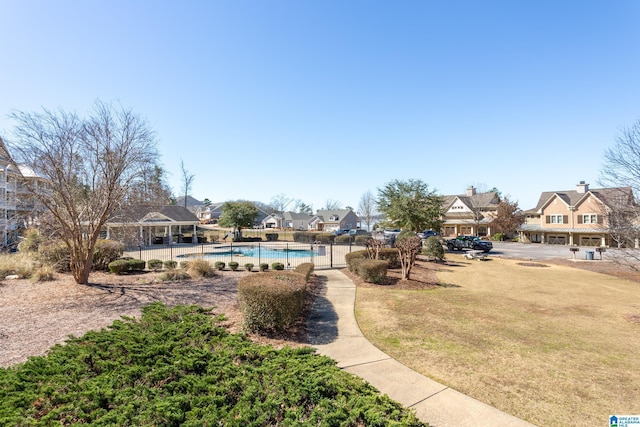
{"x": 553, "y": 345}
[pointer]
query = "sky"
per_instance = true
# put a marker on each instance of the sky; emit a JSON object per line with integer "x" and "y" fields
{"x": 324, "y": 101}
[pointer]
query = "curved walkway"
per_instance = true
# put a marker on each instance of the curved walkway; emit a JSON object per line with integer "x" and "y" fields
{"x": 334, "y": 332}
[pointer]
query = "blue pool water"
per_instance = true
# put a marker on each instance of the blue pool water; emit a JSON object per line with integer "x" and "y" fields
{"x": 251, "y": 251}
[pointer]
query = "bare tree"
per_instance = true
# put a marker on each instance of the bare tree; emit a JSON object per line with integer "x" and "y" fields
{"x": 91, "y": 165}
{"x": 280, "y": 202}
{"x": 151, "y": 187}
{"x": 332, "y": 205}
{"x": 187, "y": 181}
{"x": 367, "y": 208}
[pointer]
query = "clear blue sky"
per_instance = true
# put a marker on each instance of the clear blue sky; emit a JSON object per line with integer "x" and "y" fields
{"x": 326, "y": 100}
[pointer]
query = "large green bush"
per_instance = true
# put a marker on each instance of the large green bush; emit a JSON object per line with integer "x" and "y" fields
{"x": 432, "y": 248}
{"x": 271, "y": 301}
{"x": 179, "y": 366}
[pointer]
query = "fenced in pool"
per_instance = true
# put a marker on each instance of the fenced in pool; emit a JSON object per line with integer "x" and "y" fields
{"x": 322, "y": 255}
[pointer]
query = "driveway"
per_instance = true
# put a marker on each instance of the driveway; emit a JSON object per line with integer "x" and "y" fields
{"x": 537, "y": 251}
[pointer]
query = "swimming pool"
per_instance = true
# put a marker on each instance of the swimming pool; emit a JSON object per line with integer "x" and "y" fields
{"x": 256, "y": 251}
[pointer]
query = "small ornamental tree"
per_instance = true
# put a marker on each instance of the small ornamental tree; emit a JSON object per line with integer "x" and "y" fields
{"x": 432, "y": 248}
{"x": 408, "y": 246}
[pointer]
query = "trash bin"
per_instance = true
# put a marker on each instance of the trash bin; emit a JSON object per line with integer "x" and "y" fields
{"x": 589, "y": 255}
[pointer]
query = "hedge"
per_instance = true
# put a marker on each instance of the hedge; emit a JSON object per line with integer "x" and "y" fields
{"x": 306, "y": 268}
{"x": 271, "y": 301}
{"x": 373, "y": 270}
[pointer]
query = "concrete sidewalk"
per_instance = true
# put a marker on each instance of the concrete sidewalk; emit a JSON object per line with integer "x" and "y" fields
{"x": 334, "y": 332}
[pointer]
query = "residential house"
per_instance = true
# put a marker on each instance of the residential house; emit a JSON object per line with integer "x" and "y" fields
{"x": 334, "y": 219}
{"x": 287, "y": 220}
{"x": 469, "y": 214}
{"x": 574, "y": 217}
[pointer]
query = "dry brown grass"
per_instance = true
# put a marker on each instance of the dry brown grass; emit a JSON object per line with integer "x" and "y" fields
{"x": 548, "y": 343}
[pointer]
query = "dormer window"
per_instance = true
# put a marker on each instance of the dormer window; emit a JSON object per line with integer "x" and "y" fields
{"x": 333, "y": 218}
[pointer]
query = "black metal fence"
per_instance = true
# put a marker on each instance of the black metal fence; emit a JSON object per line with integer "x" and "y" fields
{"x": 322, "y": 255}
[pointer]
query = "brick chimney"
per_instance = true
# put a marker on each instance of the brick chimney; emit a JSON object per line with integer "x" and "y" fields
{"x": 582, "y": 187}
{"x": 471, "y": 191}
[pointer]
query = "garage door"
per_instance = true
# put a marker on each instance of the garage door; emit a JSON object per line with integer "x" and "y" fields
{"x": 590, "y": 241}
{"x": 557, "y": 240}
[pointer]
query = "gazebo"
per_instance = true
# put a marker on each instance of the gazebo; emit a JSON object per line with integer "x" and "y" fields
{"x": 147, "y": 225}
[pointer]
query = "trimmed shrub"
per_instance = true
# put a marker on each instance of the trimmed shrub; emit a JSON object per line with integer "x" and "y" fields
{"x": 248, "y": 266}
{"x": 432, "y": 248}
{"x": 154, "y": 264}
{"x": 354, "y": 257}
{"x": 106, "y": 251}
{"x": 306, "y": 268}
{"x": 325, "y": 237}
{"x": 263, "y": 266}
{"x": 136, "y": 264}
{"x": 233, "y": 265}
{"x": 201, "y": 268}
{"x": 271, "y": 301}
{"x": 219, "y": 265}
{"x": 361, "y": 239}
{"x": 373, "y": 270}
{"x": 392, "y": 255}
{"x": 343, "y": 238}
{"x": 277, "y": 266}
{"x": 499, "y": 237}
{"x": 119, "y": 266}
{"x": 304, "y": 236}
{"x": 174, "y": 275}
{"x": 170, "y": 264}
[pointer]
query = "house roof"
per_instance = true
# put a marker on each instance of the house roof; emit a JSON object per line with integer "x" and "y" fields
{"x": 608, "y": 196}
{"x": 326, "y": 214}
{"x": 138, "y": 213}
{"x": 295, "y": 216}
{"x": 479, "y": 200}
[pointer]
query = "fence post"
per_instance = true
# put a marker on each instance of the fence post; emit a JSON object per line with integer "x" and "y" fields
{"x": 331, "y": 255}
{"x": 140, "y": 251}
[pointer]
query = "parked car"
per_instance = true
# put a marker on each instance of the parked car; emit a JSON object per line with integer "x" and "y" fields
{"x": 354, "y": 232}
{"x": 428, "y": 233}
{"x": 391, "y": 233}
{"x": 340, "y": 231}
{"x": 469, "y": 242}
